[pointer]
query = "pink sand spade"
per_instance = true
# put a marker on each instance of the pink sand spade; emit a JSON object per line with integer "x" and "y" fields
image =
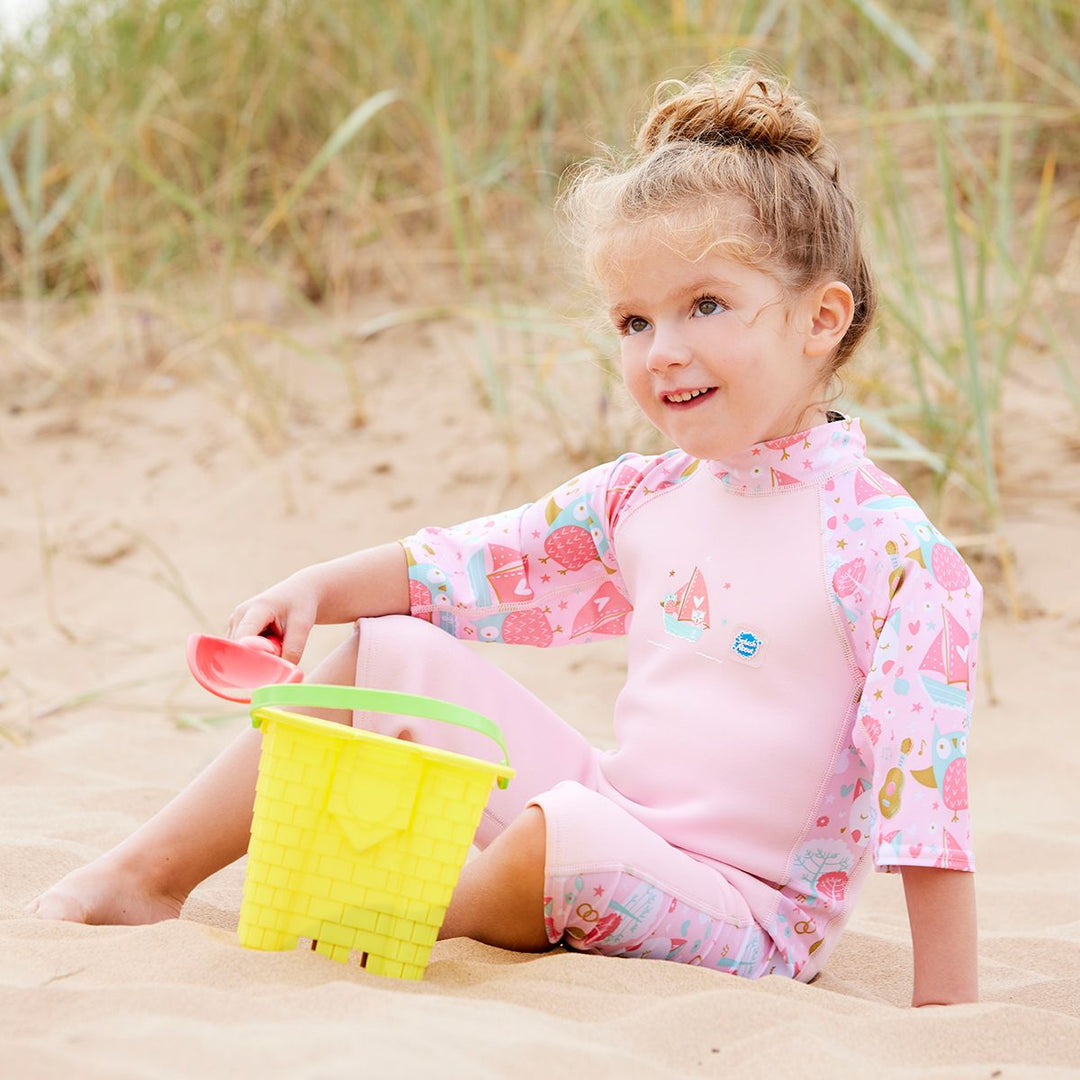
{"x": 233, "y": 669}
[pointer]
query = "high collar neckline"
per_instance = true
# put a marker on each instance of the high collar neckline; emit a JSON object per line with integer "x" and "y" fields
{"x": 793, "y": 462}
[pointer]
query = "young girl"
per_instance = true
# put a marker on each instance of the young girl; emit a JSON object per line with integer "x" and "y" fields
{"x": 801, "y": 639}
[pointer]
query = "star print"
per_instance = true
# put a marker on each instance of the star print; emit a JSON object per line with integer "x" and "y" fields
{"x": 671, "y": 573}
{"x": 727, "y": 584}
{"x": 557, "y": 630}
{"x": 536, "y": 534}
{"x": 879, "y": 521}
{"x": 598, "y": 891}
{"x": 917, "y": 707}
{"x": 877, "y": 695}
{"x": 545, "y": 578}
{"x": 563, "y": 604}
{"x": 547, "y": 611}
{"x": 841, "y": 544}
{"x": 756, "y": 451}
{"x": 807, "y": 464}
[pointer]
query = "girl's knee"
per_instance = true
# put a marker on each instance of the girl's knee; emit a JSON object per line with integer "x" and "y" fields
{"x": 517, "y": 855}
{"x": 531, "y": 838}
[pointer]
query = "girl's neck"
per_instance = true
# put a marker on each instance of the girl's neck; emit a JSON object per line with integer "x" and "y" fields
{"x": 810, "y": 456}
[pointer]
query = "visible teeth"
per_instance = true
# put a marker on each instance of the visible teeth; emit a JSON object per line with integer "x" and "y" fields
{"x": 688, "y": 396}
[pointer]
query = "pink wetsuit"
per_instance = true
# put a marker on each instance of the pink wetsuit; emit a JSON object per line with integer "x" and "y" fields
{"x": 797, "y": 702}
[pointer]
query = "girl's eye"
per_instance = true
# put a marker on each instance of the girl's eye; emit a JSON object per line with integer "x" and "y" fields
{"x": 706, "y": 306}
{"x": 634, "y": 324}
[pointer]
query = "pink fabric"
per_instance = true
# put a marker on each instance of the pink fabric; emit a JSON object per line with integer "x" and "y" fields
{"x": 589, "y": 838}
{"x": 801, "y": 652}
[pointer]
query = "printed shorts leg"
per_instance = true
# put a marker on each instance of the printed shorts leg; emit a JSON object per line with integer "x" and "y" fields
{"x": 615, "y": 887}
{"x": 399, "y": 652}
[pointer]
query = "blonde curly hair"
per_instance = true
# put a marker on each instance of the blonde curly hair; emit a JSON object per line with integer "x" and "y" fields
{"x": 722, "y": 143}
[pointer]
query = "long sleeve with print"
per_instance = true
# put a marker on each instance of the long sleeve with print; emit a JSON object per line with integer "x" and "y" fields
{"x": 913, "y": 610}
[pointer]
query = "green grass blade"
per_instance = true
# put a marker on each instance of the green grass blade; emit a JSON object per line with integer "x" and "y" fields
{"x": 10, "y": 184}
{"x": 341, "y": 137}
{"x": 894, "y": 33}
{"x": 979, "y": 404}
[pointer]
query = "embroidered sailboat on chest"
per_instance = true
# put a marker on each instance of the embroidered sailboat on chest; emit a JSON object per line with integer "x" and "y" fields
{"x": 948, "y": 657}
{"x": 686, "y": 613}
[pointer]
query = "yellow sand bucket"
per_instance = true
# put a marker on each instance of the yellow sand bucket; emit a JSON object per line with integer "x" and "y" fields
{"x": 358, "y": 840}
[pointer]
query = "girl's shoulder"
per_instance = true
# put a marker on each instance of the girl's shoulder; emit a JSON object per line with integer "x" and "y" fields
{"x": 865, "y": 496}
{"x": 879, "y": 541}
{"x": 636, "y": 478}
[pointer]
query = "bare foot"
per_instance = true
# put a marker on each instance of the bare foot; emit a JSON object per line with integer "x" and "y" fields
{"x": 106, "y": 892}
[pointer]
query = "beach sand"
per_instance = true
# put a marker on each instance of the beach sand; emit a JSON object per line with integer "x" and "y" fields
{"x": 140, "y": 503}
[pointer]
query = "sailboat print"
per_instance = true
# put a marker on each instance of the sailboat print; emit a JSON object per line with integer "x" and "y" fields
{"x": 948, "y": 657}
{"x": 607, "y": 611}
{"x": 686, "y": 613}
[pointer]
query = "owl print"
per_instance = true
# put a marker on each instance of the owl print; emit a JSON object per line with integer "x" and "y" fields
{"x": 940, "y": 558}
{"x": 526, "y": 627}
{"x": 575, "y": 537}
{"x": 429, "y": 587}
{"x": 948, "y": 773}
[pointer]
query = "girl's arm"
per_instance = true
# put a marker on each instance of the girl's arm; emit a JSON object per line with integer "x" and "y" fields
{"x": 941, "y": 910}
{"x": 374, "y": 581}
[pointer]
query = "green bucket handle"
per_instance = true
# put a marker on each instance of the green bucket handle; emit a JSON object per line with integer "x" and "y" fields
{"x": 320, "y": 696}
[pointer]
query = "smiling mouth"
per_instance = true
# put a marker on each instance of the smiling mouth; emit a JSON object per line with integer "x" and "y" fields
{"x": 687, "y": 397}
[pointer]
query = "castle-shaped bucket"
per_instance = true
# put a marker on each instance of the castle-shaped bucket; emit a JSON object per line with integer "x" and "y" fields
{"x": 358, "y": 839}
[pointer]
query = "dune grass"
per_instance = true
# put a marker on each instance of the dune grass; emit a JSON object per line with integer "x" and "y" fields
{"x": 337, "y": 147}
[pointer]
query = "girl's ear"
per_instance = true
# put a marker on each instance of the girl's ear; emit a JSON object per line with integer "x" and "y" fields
{"x": 831, "y": 310}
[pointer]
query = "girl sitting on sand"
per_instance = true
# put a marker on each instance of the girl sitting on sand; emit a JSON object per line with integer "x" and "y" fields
{"x": 801, "y": 639}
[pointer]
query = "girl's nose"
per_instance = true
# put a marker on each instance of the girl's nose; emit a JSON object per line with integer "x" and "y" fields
{"x": 668, "y": 350}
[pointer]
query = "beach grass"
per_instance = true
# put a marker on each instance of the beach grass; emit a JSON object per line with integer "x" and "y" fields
{"x": 338, "y": 149}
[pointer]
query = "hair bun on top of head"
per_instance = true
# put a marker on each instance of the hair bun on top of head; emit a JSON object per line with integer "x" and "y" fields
{"x": 748, "y": 108}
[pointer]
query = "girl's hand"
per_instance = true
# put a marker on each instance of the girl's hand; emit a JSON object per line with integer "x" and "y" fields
{"x": 286, "y": 611}
{"x": 371, "y": 582}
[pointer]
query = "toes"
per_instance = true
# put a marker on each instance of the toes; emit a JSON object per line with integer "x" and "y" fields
{"x": 58, "y": 908}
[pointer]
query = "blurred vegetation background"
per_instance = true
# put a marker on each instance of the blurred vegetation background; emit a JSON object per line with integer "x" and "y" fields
{"x": 154, "y": 153}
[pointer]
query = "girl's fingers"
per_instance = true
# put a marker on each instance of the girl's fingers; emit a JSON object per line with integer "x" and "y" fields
{"x": 295, "y": 638}
{"x": 252, "y": 622}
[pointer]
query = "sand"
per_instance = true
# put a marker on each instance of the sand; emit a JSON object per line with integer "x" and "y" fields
{"x": 140, "y": 501}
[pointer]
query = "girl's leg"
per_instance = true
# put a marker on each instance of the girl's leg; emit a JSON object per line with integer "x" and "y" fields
{"x": 499, "y": 898}
{"x": 615, "y": 887}
{"x": 147, "y": 877}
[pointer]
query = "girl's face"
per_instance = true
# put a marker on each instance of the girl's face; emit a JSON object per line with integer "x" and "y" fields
{"x": 713, "y": 353}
